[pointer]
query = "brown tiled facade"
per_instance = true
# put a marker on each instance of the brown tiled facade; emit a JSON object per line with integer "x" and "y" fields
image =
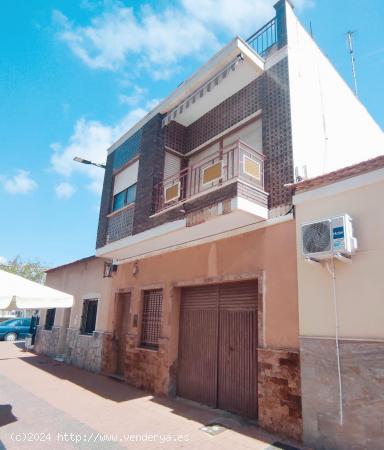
{"x": 268, "y": 93}
{"x": 280, "y": 392}
{"x": 120, "y": 224}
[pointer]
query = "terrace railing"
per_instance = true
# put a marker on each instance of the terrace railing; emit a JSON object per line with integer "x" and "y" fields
{"x": 264, "y": 39}
{"x": 236, "y": 161}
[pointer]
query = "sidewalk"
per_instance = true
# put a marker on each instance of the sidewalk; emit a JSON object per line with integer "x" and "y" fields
{"x": 48, "y": 404}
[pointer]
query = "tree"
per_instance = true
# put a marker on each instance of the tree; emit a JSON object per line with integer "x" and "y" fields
{"x": 32, "y": 270}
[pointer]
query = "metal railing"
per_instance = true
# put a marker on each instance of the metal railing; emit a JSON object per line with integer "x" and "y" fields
{"x": 264, "y": 39}
{"x": 237, "y": 160}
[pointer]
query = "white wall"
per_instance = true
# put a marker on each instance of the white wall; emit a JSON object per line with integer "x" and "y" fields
{"x": 359, "y": 285}
{"x": 330, "y": 127}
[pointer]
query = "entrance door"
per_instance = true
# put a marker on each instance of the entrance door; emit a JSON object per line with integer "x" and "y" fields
{"x": 123, "y": 304}
{"x": 218, "y": 346}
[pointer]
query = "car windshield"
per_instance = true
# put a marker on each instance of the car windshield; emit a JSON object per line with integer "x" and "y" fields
{"x": 8, "y": 323}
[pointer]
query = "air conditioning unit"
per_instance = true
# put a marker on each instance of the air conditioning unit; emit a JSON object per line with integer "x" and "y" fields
{"x": 327, "y": 238}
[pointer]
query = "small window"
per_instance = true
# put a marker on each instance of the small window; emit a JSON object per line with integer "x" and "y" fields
{"x": 151, "y": 321}
{"x": 50, "y": 318}
{"x": 131, "y": 194}
{"x": 119, "y": 200}
{"x": 88, "y": 318}
{"x": 124, "y": 198}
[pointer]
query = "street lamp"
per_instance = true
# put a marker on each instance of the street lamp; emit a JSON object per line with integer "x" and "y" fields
{"x": 86, "y": 161}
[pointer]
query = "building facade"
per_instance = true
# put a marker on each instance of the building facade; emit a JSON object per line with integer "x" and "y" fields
{"x": 197, "y": 220}
{"x": 76, "y": 334}
{"x": 349, "y": 415}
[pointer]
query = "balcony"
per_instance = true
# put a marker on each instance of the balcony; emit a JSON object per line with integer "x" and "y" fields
{"x": 237, "y": 162}
{"x": 221, "y": 193}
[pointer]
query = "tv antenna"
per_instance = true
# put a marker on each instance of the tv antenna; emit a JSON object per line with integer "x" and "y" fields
{"x": 353, "y": 59}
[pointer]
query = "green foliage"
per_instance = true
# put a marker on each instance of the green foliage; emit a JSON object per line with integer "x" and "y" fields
{"x": 32, "y": 270}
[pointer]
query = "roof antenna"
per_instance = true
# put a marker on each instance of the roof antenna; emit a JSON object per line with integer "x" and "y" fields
{"x": 353, "y": 60}
{"x": 310, "y": 29}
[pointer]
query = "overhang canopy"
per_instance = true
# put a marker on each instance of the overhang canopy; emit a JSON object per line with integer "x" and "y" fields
{"x": 26, "y": 294}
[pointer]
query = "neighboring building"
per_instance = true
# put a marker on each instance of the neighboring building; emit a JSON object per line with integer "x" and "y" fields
{"x": 358, "y": 191}
{"x": 76, "y": 334}
{"x": 196, "y": 217}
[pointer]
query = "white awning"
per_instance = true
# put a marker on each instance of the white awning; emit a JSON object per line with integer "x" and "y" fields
{"x": 26, "y": 294}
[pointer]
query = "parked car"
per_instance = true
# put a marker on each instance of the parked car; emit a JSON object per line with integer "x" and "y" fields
{"x": 4, "y": 318}
{"x": 13, "y": 329}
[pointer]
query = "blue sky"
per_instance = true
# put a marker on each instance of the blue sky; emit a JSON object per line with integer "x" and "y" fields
{"x": 76, "y": 74}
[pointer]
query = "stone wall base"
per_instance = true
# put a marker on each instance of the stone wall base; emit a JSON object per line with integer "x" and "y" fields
{"x": 279, "y": 392}
{"x": 362, "y": 376}
{"x": 143, "y": 368}
{"x": 46, "y": 341}
{"x": 84, "y": 351}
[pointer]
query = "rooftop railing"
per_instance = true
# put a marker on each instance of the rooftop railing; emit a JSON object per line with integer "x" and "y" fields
{"x": 264, "y": 39}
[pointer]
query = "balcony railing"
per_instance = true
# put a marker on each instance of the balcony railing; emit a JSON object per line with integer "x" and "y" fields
{"x": 236, "y": 161}
{"x": 264, "y": 39}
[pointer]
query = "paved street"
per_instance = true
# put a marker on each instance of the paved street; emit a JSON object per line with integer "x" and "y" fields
{"x": 48, "y": 404}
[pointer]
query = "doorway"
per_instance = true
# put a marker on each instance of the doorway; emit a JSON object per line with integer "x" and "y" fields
{"x": 122, "y": 315}
{"x": 218, "y": 346}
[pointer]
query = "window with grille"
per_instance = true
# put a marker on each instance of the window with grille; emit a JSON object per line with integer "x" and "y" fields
{"x": 151, "y": 321}
{"x": 88, "y": 318}
{"x": 50, "y": 318}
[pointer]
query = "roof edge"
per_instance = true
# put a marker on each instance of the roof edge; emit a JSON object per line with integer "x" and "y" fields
{"x": 203, "y": 73}
{"x": 351, "y": 171}
{"x": 72, "y": 263}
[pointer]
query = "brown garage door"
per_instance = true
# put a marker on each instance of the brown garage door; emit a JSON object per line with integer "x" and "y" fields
{"x": 218, "y": 346}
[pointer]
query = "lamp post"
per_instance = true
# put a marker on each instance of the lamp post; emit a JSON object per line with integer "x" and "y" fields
{"x": 86, "y": 161}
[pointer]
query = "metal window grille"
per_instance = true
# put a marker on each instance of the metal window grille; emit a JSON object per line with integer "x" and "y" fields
{"x": 88, "y": 318}
{"x": 50, "y": 318}
{"x": 151, "y": 321}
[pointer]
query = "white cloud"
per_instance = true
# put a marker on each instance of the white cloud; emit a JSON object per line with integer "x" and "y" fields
{"x": 90, "y": 140}
{"x": 121, "y": 34}
{"x": 243, "y": 18}
{"x": 3, "y": 260}
{"x": 65, "y": 190}
{"x": 21, "y": 183}
{"x": 135, "y": 96}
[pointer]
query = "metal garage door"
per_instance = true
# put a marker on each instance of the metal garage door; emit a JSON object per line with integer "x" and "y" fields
{"x": 218, "y": 346}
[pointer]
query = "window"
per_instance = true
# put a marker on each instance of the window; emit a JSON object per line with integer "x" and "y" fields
{"x": 50, "y": 318}
{"x": 88, "y": 318}
{"x": 10, "y": 323}
{"x": 151, "y": 321}
{"x": 124, "y": 198}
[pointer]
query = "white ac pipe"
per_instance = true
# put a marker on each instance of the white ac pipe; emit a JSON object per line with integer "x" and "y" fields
{"x": 337, "y": 329}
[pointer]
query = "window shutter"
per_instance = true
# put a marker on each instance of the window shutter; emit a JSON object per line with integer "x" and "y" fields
{"x": 172, "y": 165}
